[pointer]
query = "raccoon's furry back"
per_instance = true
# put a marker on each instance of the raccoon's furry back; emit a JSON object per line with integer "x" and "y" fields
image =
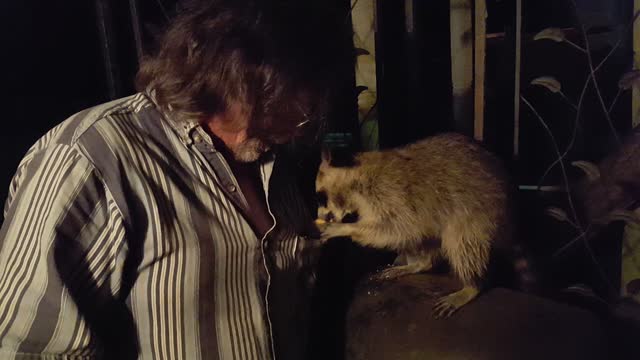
{"x": 444, "y": 195}
{"x": 617, "y": 186}
{"x": 430, "y": 183}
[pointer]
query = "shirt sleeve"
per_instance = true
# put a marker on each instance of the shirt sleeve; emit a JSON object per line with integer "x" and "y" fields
{"x": 62, "y": 247}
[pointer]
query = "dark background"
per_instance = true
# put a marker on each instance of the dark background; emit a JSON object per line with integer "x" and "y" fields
{"x": 59, "y": 57}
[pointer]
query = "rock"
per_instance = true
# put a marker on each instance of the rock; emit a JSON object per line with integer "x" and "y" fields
{"x": 394, "y": 320}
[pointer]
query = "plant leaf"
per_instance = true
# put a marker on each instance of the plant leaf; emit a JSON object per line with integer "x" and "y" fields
{"x": 627, "y": 216}
{"x": 361, "y": 51}
{"x": 590, "y": 169}
{"x": 361, "y": 88}
{"x": 628, "y": 80}
{"x": 633, "y": 287}
{"x": 548, "y": 82}
{"x": 557, "y": 214}
{"x": 554, "y": 34}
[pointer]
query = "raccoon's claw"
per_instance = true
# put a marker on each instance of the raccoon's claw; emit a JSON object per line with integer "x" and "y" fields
{"x": 443, "y": 308}
{"x": 447, "y": 305}
{"x": 324, "y": 237}
{"x": 332, "y": 230}
{"x": 327, "y": 235}
{"x": 390, "y": 273}
{"x": 323, "y": 229}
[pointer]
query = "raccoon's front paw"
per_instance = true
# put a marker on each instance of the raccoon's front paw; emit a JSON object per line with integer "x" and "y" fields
{"x": 448, "y": 304}
{"x": 333, "y": 230}
{"x": 392, "y": 272}
{"x": 327, "y": 234}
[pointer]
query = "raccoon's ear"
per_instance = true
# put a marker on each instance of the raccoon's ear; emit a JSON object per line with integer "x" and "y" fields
{"x": 326, "y": 154}
{"x": 342, "y": 157}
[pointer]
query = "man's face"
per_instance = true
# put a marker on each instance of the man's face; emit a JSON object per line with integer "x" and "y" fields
{"x": 233, "y": 128}
{"x": 253, "y": 145}
{"x": 247, "y": 139}
{"x": 282, "y": 124}
{"x": 249, "y": 150}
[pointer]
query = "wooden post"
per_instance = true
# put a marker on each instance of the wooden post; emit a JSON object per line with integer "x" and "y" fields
{"x": 363, "y": 20}
{"x": 516, "y": 90}
{"x": 635, "y": 99}
{"x": 630, "y": 270}
{"x": 462, "y": 63}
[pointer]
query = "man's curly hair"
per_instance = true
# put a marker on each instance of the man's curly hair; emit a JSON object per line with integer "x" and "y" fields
{"x": 278, "y": 59}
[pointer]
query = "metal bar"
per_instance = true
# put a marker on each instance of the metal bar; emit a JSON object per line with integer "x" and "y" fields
{"x": 635, "y": 98}
{"x": 135, "y": 24}
{"x": 516, "y": 91}
{"x": 105, "y": 30}
{"x": 480, "y": 45}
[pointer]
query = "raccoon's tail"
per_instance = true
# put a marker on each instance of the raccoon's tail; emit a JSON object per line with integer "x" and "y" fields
{"x": 512, "y": 267}
{"x": 527, "y": 278}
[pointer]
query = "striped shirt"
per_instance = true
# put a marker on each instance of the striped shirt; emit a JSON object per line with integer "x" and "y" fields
{"x": 124, "y": 237}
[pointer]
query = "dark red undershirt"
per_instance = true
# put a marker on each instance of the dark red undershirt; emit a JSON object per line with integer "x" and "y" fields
{"x": 248, "y": 177}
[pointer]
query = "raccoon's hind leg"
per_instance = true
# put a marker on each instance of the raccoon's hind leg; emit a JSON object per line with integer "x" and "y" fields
{"x": 416, "y": 263}
{"x": 468, "y": 255}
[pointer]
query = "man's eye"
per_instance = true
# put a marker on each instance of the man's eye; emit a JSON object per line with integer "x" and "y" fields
{"x": 321, "y": 198}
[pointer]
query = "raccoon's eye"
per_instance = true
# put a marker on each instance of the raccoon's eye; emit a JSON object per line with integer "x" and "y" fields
{"x": 330, "y": 217}
{"x": 321, "y": 197}
{"x": 351, "y": 217}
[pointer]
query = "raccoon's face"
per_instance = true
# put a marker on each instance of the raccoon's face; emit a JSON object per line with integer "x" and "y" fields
{"x": 335, "y": 195}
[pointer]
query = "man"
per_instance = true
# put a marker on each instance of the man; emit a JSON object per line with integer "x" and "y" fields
{"x": 150, "y": 227}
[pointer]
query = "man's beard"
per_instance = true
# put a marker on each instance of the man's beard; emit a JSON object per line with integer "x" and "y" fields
{"x": 249, "y": 150}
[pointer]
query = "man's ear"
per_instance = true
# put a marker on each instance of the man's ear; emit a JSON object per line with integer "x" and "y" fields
{"x": 326, "y": 154}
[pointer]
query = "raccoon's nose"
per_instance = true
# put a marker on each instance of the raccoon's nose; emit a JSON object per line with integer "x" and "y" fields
{"x": 329, "y": 217}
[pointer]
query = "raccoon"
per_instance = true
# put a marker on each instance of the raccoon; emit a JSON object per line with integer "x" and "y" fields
{"x": 442, "y": 198}
{"x": 613, "y": 185}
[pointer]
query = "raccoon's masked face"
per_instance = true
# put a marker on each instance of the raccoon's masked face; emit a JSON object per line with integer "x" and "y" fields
{"x": 335, "y": 195}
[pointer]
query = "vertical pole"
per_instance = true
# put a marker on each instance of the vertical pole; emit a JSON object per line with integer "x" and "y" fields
{"x": 516, "y": 92}
{"x": 462, "y": 64}
{"x": 635, "y": 98}
{"x": 363, "y": 19}
{"x": 479, "y": 67}
{"x": 135, "y": 24}
{"x": 105, "y": 30}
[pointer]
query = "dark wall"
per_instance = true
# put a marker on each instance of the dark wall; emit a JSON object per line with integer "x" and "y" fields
{"x": 54, "y": 65}
{"x": 51, "y": 68}
{"x": 414, "y": 70}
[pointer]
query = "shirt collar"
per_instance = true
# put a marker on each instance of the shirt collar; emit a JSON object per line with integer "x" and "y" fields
{"x": 187, "y": 128}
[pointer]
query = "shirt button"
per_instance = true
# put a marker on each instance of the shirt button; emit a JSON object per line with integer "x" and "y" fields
{"x": 232, "y": 188}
